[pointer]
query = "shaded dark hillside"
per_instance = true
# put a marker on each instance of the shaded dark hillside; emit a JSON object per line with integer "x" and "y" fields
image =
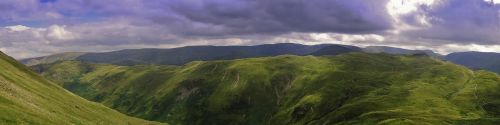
{"x": 335, "y": 50}
{"x": 28, "y": 99}
{"x": 399, "y": 51}
{"x": 354, "y": 88}
{"x": 476, "y": 60}
{"x": 183, "y": 55}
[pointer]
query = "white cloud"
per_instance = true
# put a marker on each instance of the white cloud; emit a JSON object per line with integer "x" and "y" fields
{"x": 345, "y": 37}
{"x": 493, "y": 1}
{"x": 57, "y": 32}
{"x": 17, "y": 28}
{"x": 400, "y": 9}
{"x": 448, "y": 48}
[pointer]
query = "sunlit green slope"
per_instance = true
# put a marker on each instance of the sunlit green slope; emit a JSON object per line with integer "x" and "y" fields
{"x": 26, "y": 98}
{"x": 51, "y": 58}
{"x": 354, "y": 88}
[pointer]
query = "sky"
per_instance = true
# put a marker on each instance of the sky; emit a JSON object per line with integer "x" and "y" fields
{"x": 31, "y": 28}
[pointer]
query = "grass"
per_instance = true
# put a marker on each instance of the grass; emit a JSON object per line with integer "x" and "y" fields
{"x": 355, "y": 88}
{"x": 27, "y": 98}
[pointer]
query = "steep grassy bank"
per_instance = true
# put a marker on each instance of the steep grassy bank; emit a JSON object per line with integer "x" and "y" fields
{"x": 27, "y": 98}
{"x": 354, "y": 88}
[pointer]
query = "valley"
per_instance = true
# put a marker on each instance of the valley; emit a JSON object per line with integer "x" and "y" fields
{"x": 249, "y": 62}
{"x": 352, "y": 88}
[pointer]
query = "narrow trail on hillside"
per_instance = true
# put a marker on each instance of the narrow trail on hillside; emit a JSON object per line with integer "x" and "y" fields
{"x": 475, "y": 91}
{"x": 476, "y": 97}
{"x": 215, "y": 67}
{"x": 237, "y": 80}
{"x": 224, "y": 76}
{"x": 475, "y": 87}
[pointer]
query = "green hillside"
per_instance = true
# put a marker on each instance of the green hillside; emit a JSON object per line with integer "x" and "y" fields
{"x": 52, "y": 58}
{"x": 354, "y": 88}
{"x": 26, "y": 98}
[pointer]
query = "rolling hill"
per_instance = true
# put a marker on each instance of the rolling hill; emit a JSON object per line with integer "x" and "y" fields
{"x": 335, "y": 50}
{"x": 398, "y": 51}
{"x": 353, "y": 88}
{"x": 27, "y": 98}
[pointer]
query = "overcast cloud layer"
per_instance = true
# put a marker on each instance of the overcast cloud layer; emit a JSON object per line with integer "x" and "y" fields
{"x": 30, "y": 28}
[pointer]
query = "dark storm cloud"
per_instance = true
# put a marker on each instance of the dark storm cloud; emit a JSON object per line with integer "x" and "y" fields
{"x": 52, "y": 26}
{"x": 283, "y": 16}
{"x": 211, "y": 17}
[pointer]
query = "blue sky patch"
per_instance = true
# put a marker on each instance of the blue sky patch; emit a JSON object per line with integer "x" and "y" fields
{"x": 48, "y": 1}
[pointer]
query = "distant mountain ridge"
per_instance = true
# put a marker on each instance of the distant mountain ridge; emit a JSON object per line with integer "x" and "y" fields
{"x": 183, "y": 55}
{"x": 476, "y": 60}
{"x": 398, "y": 51}
{"x": 335, "y": 50}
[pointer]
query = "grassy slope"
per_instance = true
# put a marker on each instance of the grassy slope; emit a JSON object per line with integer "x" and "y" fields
{"x": 26, "y": 98}
{"x": 352, "y": 88}
{"x": 52, "y": 58}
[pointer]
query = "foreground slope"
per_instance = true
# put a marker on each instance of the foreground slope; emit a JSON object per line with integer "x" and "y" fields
{"x": 26, "y": 98}
{"x": 355, "y": 88}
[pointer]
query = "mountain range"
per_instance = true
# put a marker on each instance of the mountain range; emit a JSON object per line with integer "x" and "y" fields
{"x": 476, "y": 60}
{"x": 399, "y": 51}
{"x": 349, "y": 88}
{"x": 263, "y": 84}
{"x": 183, "y": 55}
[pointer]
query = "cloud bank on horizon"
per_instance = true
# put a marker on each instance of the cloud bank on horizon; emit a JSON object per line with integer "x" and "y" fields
{"x": 30, "y": 28}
